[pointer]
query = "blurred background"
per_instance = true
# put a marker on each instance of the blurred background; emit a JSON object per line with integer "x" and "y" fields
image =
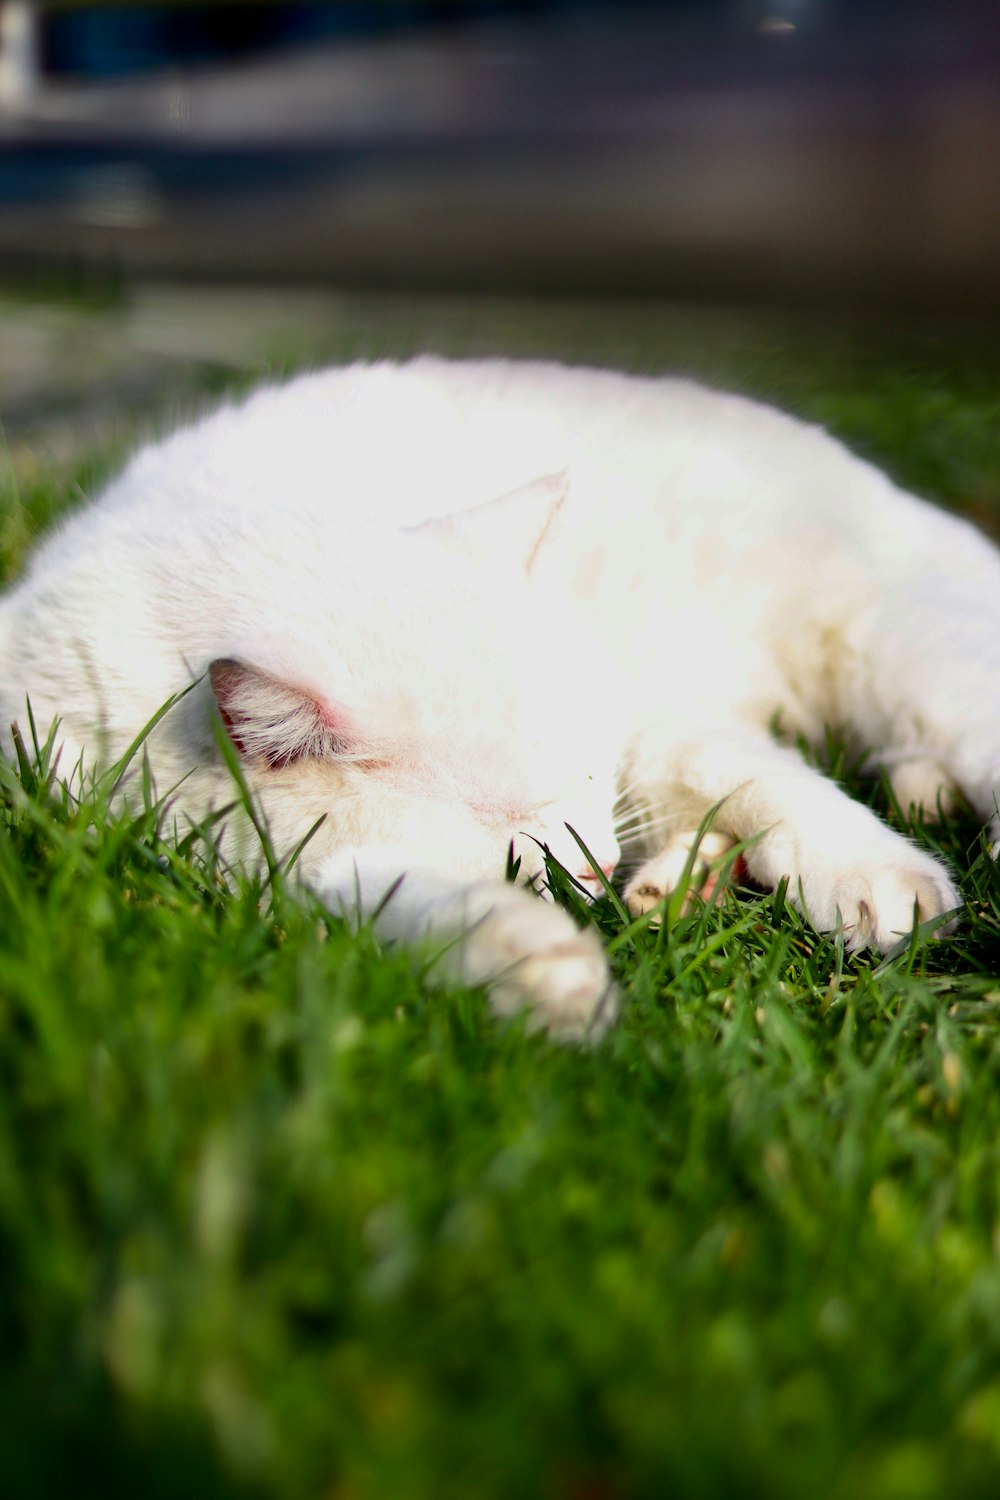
{"x": 831, "y": 150}
{"x": 759, "y": 192}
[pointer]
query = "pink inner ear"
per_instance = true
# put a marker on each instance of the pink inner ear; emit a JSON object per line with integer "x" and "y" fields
{"x": 274, "y": 721}
{"x": 225, "y": 679}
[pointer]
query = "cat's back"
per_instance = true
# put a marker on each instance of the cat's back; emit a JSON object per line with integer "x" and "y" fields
{"x": 391, "y": 444}
{"x": 394, "y": 443}
{"x": 388, "y": 442}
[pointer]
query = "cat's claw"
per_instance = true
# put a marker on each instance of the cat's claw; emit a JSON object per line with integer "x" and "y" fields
{"x": 872, "y": 892}
{"x": 875, "y": 908}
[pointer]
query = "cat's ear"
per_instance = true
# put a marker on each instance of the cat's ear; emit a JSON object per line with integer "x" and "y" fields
{"x": 274, "y": 721}
{"x": 514, "y": 525}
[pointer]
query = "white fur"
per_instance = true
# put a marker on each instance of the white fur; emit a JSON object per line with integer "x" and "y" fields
{"x": 453, "y": 606}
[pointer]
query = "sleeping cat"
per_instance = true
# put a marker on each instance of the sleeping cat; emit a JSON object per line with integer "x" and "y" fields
{"x": 454, "y": 607}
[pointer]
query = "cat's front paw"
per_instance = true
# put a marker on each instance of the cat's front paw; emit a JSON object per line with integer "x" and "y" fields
{"x": 873, "y": 895}
{"x": 531, "y": 956}
{"x": 878, "y": 907}
{"x": 652, "y": 884}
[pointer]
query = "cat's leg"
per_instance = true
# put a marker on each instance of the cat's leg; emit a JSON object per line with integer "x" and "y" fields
{"x": 921, "y": 688}
{"x": 843, "y": 865}
{"x": 528, "y": 953}
{"x": 920, "y": 784}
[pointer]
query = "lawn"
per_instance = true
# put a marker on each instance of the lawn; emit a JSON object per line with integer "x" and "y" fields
{"x": 275, "y": 1220}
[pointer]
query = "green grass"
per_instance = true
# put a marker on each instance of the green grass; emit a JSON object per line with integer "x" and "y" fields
{"x": 274, "y": 1220}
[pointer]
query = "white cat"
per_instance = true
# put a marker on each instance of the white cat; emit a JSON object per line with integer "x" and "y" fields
{"x": 453, "y": 606}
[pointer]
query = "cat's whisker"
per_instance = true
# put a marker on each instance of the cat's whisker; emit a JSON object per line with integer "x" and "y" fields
{"x": 650, "y": 815}
{"x": 643, "y": 815}
{"x": 644, "y": 823}
{"x": 633, "y": 810}
{"x": 628, "y": 789}
{"x": 635, "y": 831}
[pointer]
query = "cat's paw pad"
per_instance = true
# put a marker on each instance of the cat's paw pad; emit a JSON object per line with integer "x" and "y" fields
{"x": 531, "y": 956}
{"x": 654, "y": 881}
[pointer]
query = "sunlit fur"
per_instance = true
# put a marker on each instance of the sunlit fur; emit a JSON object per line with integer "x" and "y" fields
{"x": 454, "y": 607}
{"x": 395, "y": 699}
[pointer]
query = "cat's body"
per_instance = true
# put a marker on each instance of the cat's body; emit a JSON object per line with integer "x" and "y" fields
{"x": 451, "y": 605}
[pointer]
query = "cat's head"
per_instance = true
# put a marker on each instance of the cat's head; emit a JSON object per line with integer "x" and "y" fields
{"x": 439, "y": 703}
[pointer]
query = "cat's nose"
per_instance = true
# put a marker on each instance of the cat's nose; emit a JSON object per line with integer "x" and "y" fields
{"x": 590, "y": 877}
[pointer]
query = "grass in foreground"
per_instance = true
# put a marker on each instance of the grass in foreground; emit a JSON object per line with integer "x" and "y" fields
{"x": 274, "y": 1220}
